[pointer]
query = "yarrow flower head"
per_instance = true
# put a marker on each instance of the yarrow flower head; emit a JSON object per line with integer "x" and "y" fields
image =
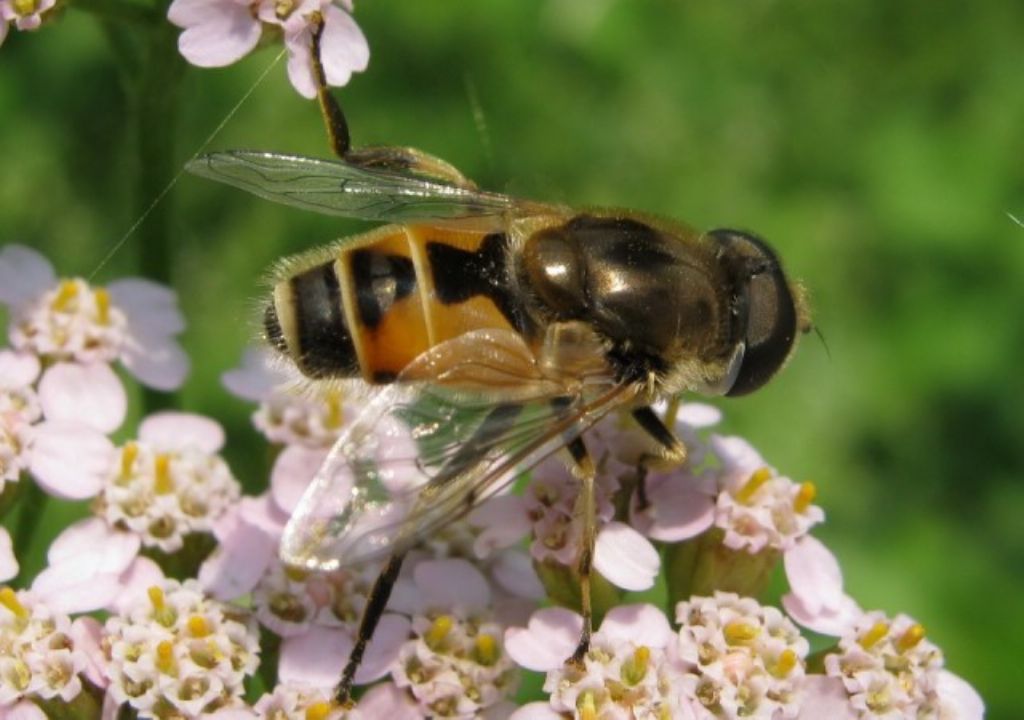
{"x": 627, "y": 673}
{"x": 170, "y": 482}
{"x": 221, "y": 32}
{"x": 286, "y": 416}
{"x": 176, "y": 653}
{"x": 39, "y": 657}
{"x": 24, "y": 14}
{"x": 455, "y": 666}
{"x": 741, "y": 659}
{"x": 20, "y": 409}
{"x": 134, "y": 321}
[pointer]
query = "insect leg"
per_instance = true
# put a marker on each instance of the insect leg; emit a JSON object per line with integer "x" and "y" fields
{"x": 394, "y": 159}
{"x": 587, "y": 507}
{"x": 672, "y": 452}
{"x": 375, "y": 604}
{"x": 334, "y": 118}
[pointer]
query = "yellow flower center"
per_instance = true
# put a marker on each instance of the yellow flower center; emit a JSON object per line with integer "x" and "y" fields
{"x": 319, "y": 710}
{"x": 804, "y": 497}
{"x": 759, "y": 477}
{"x": 438, "y": 632}
{"x": 878, "y": 631}
{"x": 909, "y": 639}
{"x": 738, "y": 632}
{"x": 25, "y": 7}
{"x": 785, "y": 664}
{"x": 102, "y": 306}
{"x": 165, "y": 661}
{"x": 9, "y": 599}
{"x": 635, "y": 668}
{"x": 198, "y": 627}
{"x": 486, "y": 650}
{"x": 586, "y": 704}
{"x": 68, "y": 289}
{"x": 129, "y": 454}
{"x": 164, "y": 483}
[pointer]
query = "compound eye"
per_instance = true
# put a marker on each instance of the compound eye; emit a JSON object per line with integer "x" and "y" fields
{"x": 767, "y": 309}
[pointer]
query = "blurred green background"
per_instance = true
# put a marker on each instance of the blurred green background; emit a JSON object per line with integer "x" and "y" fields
{"x": 879, "y": 146}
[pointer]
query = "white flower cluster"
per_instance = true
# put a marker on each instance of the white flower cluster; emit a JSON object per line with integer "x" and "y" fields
{"x": 289, "y": 600}
{"x": 618, "y": 679}
{"x": 889, "y": 668}
{"x": 176, "y": 652}
{"x": 294, "y": 419}
{"x": 72, "y": 321}
{"x": 19, "y": 411}
{"x": 38, "y": 657}
{"x": 456, "y": 667}
{"x": 743, "y": 659}
{"x": 164, "y": 496}
{"x": 756, "y": 507}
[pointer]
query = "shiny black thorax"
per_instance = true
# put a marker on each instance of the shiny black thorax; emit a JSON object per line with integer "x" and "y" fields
{"x": 659, "y": 298}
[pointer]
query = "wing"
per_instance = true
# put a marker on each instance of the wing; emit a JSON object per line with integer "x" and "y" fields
{"x": 424, "y": 453}
{"x": 338, "y": 188}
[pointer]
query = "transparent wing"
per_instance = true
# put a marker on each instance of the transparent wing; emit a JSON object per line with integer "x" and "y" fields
{"x": 338, "y": 188}
{"x": 424, "y": 453}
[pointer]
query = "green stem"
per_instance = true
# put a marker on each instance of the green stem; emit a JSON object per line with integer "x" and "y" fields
{"x": 155, "y": 96}
{"x": 33, "y": 502}
{"x": 119, "y": 10}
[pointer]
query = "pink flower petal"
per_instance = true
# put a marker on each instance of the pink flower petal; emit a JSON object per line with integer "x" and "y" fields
{"x": 161, "y": 365}
{"x": 24, "y": 275}
{"x": 135, "y": 581}
{"x": 386, "y": 700}
{"x": 255, "y": 378}
{"x": 503, "y": 521}
{"x": 451, "y": 583}
{"x": 549, "y": 638}
{"x": 959, "y": 698}
{"x": 238, "y": 563}
{"x": 536, "y": 711}
{"x": 625, "y": 557}
{"x": 825, "y": 697}
{"x": 641, "y": 623}
{"x": 300, "y": 71}
{"x": 827, "y": 622}
{"x": 76, "y": 587}
{"x": 150, "y": 308}
{"x": 88, "y": 394}
{"x": 678, "y": 509}
{"x": 177, "y": 431}
{"x": 70, "y": 461}
{"x": 292, "y": 473}
{"x": 93, "y": 539}
{"x": 513, "y": 569}
{"x": 344, "y": 47}
{"x": 317, "y": 658}
{"x": 87, "y": 634}
{"x": 218, "y": 32}
{"x": 698, "y": 415}
{"x": 814, "y": 575}
{"x": 17, "y": 370}
{"x": 8, "y": 563}
{"x": 23, "y": 710}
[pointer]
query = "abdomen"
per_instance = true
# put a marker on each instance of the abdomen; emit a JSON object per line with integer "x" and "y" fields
{"x": 369, "y": 305}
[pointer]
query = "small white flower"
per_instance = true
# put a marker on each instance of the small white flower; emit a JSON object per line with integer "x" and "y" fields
{"x": 286, "y": 416}
{"x": 134, "y": 321}
{"x": 455, "y": 666}
{"x": 176, "y": 650}
{"x": 742, "y": 659}
{"x": 25, "y": 14}
{"x": 169, "y": 483}
{"x": 19, "y": 411}
{"x": 39, "y": 656}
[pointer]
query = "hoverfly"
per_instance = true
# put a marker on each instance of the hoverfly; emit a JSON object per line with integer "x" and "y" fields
{"x": 493, "y": 332}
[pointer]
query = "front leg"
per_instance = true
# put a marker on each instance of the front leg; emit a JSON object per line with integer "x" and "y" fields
{"x": 586, "y": 506}
{"x": 671, "y": 452}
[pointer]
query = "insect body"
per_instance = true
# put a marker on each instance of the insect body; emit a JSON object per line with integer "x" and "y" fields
{"x": 497, "y": 331}
{"x": 492, "y": 332}
{"x": 665, "y": 307}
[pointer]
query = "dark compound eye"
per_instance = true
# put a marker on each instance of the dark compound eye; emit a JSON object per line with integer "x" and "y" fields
{"x": 765, "y": 312}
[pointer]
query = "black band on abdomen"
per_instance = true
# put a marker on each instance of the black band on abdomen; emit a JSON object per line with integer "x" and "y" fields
{"x": 325, "y": 346}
